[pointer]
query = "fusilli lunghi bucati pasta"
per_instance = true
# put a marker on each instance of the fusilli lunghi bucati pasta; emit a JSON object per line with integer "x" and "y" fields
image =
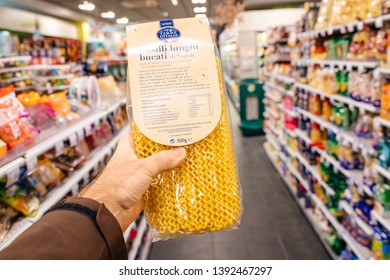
{"x": 203, "y": 194}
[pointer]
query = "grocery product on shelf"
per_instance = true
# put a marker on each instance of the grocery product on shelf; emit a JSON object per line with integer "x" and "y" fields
{"x": 342, "y": 160}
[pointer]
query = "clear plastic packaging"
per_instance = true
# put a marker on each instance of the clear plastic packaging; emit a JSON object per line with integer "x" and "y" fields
{"x": 203, "y": 194}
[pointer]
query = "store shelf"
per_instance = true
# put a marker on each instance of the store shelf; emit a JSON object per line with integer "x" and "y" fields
{"x": 385, "y": 222}
{"x": 382, "y": 171}
{"x": 282, "y": 78}
{"x": 48, "y": 139}
{"x": 34, "y": 67}
{"x": 314, "y": 170}
{"x": 16, "y": 229}
{"x": 360, "y": 251}
{"x": 348, "y": 64}
{"x": 287, "y": 111}
{"x": 11, "y": 167}
{"x": 301, "y": 134}
{"x": 55, "y": 88}
{"x": 60, "y": 191}
{"x": 15, "y": 58}
{"x": 348, "y": 209}
{"x": 16, "y": 79}
{"x": 18, "y": 89}
{"x": 59, "y": 77}
{"x": 272, "y": 140}
{"x": 356, "y": 142}
{"x": 354, "y": 176}
{"x": 279, "y": 89}
{"x": 382, "y": 121}
{"x": 313, "y": 222}
{"x": 277, "y": 58}
{"x": 384, "y": 71}
{"x": 274, "y": 130}
{"x": 336, "y": 97}
{"x": 343, "y": 28}
{"x": 272, "y": 112}
{"x": 278, "y": 41}
{"x": 138, "y": 239}
{"x": 272, "y": 97}
{"x": 64, "y": 134}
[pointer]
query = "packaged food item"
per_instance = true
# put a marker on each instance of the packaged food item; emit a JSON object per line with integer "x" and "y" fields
{"x": 3, "y": 149}
{"x": 48, "y": 173}
{"x": 177, "y": 98}
{"x": 15, "y": 123}
{"x": 6, "y": 216}
{"x": 324, "y": 14}
{"x": 385, "y": 102}
{"x": 21, "y": 201}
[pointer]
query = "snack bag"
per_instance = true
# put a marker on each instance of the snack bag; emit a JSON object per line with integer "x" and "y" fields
{"x": 177, "y": 98}
{"x": 15, "y": 124}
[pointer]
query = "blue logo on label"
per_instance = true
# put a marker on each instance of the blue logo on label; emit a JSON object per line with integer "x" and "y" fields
{"x": 166, "y": 23}
{"x": 168, "y": 34}
{"x": 172, "y": 141}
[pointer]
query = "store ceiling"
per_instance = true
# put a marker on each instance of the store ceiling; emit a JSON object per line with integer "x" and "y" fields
{"x": 138, "y": 10}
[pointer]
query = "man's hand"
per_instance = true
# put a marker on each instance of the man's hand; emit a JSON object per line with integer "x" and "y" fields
{"x": 126, "y": 178}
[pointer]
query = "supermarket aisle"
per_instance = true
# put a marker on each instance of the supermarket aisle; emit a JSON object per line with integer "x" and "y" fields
{"x": 272, "y": 226}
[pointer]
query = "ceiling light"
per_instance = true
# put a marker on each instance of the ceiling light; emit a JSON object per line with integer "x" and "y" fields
{"x": 123, "y": 20}
{"x": 86, "y": 6}
{"x": 165, "y": 14}
{"x": 199, "y": 1}
{"x": 198, "y": 10}
{"x": 174, "y": 2}
{"x": 200, "y": 15}
{"x": 108, "y": 14}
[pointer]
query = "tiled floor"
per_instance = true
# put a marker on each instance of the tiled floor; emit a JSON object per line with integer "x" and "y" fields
{"x": 272, "y": 225}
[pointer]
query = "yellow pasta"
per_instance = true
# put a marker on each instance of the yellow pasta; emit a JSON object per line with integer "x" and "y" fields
{"x": 203, "y": 194}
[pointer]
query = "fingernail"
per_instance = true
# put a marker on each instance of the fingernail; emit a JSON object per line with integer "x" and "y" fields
{"x": 179, "y": 151}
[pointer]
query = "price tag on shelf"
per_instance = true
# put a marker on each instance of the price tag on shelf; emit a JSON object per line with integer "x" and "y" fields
{"x": 360, "y": 68}
{"x": 323, "y": 33}
{"x": 348, "y": 66}
{"x": 360, "y": 26}
{"x": 80, "y": 134}
{"x": 96, "y": 124}
{"x": 351, "y": 28}
{"x": 31, "y": 164}
{"x": 343, "y": 30}
{"x": 88, "y": 130}
{"x": 376, "y": 73}
{"x": 12, "y": 176}
{"x": 379, "y": 22}
{"x": 86, "y": 178}
{"x": 75, "y": 189}
{"x": 59, "y": 148}
{"x": 73, "y": 139}
{"x": 330, "y": 31}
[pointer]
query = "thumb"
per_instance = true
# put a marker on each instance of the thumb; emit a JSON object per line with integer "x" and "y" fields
{"x": 164, "y": 160}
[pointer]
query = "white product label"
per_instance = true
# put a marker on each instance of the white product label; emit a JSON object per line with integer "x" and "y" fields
{"x": 59, "y": 148}
{"x": 12, "y": 176}
{"x": 174, "y": 83}
{"x": 87, "y": 130}
{"x": 252, "y": 108}
{"x": 31, "y": 164}
{"x": 73, "y": 140}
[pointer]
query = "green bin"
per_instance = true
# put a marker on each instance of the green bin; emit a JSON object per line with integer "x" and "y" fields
{"x": 251, "y": 107}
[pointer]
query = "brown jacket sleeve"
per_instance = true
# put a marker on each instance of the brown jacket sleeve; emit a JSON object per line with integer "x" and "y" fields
{"x": 70, "y": 235}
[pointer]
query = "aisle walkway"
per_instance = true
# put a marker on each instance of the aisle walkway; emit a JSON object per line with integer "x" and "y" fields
{"x": 272, "y": 225}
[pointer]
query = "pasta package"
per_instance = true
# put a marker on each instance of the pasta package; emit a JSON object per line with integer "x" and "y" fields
{"x": 177, "y": 98}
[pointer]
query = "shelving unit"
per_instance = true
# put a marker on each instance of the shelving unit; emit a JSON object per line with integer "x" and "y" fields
{"x": 49, "y": 139}
{"x": 60, "y": 191}
{"x": 336, "y": 97}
